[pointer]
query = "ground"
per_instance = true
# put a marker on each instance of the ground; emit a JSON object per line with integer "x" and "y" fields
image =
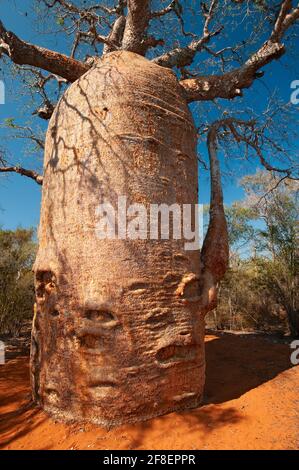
{"x": 251, "y": 402}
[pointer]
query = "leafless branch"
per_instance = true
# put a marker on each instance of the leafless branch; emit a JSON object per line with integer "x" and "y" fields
{"x": 230, "y": 84}
{"x": 183, "y": 56}
{"x": 21, "y": 52}
{"x": 238, "y": 129}
{"x": 24, "y": 172}
{"x": 25, "y": 132}
{"x": 164, "y": 11}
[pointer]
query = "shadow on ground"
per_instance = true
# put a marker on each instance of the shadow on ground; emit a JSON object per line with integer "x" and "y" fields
{"x": 235, "y": 365}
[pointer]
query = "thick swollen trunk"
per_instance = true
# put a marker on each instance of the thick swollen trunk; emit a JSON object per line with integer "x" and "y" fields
{"x": 118, "y": 331}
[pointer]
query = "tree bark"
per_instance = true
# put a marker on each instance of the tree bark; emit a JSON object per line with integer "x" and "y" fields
{"x": 136, "y": 26}
{"x": 215, "y": 250}
{"x": 116, "y": 35}
{"x": 22, "y": 52}
{"x": 120, "y": 334}
{"x": 230, "y": 84}
{"x": 24, "y": 172}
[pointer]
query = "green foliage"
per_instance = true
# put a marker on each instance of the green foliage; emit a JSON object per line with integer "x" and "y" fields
{"x": 260, "y": 291}
{"x": 9, "y": 122}
{"x": 240, "y": 229}
{"x": 60, "y": 21}
{"x": 16, "y": 279}
{"x": 245, "y": 303}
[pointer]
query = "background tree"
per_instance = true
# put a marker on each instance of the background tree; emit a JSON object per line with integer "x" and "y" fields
{"x": 278, "y": 208}
{"x": 18, "y": 251}
{"x": 260, "y": 290}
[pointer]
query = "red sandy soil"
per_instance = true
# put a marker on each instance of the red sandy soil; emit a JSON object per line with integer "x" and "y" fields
{"x": 251, "y": 402}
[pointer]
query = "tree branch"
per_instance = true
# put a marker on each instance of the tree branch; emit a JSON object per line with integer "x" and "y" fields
{"x": 183, "y": 56}
{"x": 164, "y": 11}
{"x": 22, "y": 171}
{"x": 215, "y": 250}
{"x": 26, "y": 133}
{"x": 21, "y": 53}
{"x": 250, "y": 140}
{"x": 136, "y": 25}
{"x": 253, "y": 143}
{"x": 116, "y": 35}
{"x": 230, "y": 84}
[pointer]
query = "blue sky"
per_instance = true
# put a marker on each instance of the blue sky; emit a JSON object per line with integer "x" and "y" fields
{"x": 20, "y": 197}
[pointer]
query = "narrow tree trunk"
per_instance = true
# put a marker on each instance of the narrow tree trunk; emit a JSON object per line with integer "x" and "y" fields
{"x": 114, "y": 342}
{"x": 293, "y": 321}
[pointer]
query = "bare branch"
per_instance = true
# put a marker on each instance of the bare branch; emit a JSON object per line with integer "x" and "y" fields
{"x": 183, "y": 56}
{"x": 238, "y": 128}
{"x": 136, "y": 26}
{"x": 170, "y": 8}
{"x": 89, "y": 12}
{"x": 21, "y": 53}
{"x": 24, "y": 172}
{"x": 95, "y": 37}
{"x": 45, "y": 111}
{"x": 252, "y": 142}
{"x": 27, "y": 133}
{"x": 278, "y": 27}
{"x": 230, "y": 84}
{"x": 46, "y": 108}
{"x": 85, "y": 21}
{"x": 116, "y": 35}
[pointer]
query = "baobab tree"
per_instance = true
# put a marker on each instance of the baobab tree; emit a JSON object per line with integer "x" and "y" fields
{"x": 119, "y": 323}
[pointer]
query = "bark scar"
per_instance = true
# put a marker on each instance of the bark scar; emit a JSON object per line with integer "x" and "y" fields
{"x": 188, "y": 288}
